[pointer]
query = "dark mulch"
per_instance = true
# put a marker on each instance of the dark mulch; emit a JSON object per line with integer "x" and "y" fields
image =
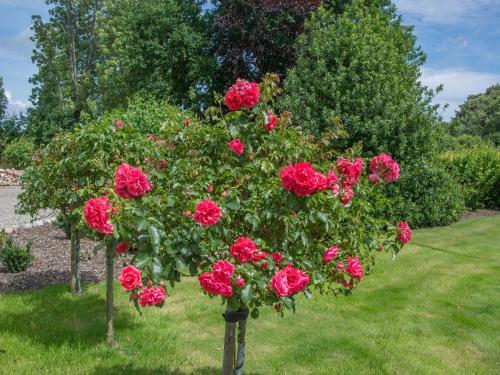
{"x": 52, "y": 261}
{"x": 478, "y": 213}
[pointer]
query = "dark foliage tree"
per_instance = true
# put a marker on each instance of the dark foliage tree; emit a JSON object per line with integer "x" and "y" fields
{"x": 3, "y": 101}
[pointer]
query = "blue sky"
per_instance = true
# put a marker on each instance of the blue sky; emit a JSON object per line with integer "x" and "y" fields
{"x": 461, "y": 39}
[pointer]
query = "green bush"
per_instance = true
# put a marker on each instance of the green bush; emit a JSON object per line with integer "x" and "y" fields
{"x": 14, "y": 257}
{"x": 425, "y": 196}
{"x": 477, "y": 171}
{"x": 19, "y": 152}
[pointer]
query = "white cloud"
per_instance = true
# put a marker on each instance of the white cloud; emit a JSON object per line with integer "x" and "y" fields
{"x": 457, "y": 84}
{"x": 16, "y": 105}
{"x": 446, "y": 11}
{"x": 17, "y": 47}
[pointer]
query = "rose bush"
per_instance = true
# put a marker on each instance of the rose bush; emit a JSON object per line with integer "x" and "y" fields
{"x": 268, "y": 220}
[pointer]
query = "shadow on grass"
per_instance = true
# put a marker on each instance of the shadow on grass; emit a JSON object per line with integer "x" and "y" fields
{"x": 453, "y": 253}
{"x": 53, "y": 317}
{"x": 129, "y": 369}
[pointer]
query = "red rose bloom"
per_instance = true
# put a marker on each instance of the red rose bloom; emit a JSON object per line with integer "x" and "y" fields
{"x": 213, "y": 286}
{"x": 130, "y": 278}
{"x": 122, "y": 247}
{"x": 351, "y": 170}
{"x": 340, "y": 267}
{"x": 119, "y": 124}
{"x": 383, "y": 167}
{"x": 240, "y": 281}
{"x": 333, "y": 182}
{"x": 288, "y": 178}
{"x": 242, "y": 94}
{"x": 354, "y": 268}
{"x": 243, "y": 249}
{"x": 207, "y": 213}
{"x": 278, "y": 258}
{"x": 272, "y": 122}
{"x": 330, "y": 254}
{"x": 236, "y": 146}
{"x": 305, "y": 179}
{"x": 404, "y": 233}
{"x": 321, "y": 181}
{"x": 289, "y": 281}
{"x": 347, "y": 195}
{"x": 223, "y": 271}
{"x": 131, "y": 182}
{"x": 96, "y": 213}
{"x": 152, "y": 296}
{"x": 187, "y": 122}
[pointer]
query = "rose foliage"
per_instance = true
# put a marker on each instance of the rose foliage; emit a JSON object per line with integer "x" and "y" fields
{"x": 283, "y": 215}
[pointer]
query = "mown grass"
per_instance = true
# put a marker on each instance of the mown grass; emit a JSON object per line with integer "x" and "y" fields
{"x": 434, "y": 310}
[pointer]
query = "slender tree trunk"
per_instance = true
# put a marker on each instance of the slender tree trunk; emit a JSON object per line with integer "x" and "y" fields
{"x": 240, "y": 359}
{"x": 229, "y": 347}
{"x": 75, "y": 260}
{"x": 109, "y": 291}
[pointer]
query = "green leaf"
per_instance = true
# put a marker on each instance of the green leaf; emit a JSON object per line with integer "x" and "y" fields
{"x": 154, "y": 237}
{"x": 233, "y": 302}
{"x": 141, "y": 260}
{"x": 156, "y": 268}
{"x": 143, "y": 225}
{"x": 234, "y": 205}
{"x": 254, "y": 313}
{"x": 267, "y": 166}
{"x": 247, "y": 294}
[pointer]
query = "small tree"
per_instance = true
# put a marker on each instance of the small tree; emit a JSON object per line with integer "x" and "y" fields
{"x": 239, "y": 207}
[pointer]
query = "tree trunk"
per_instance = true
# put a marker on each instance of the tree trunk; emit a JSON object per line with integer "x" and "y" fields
{"x": 240, "y": 359}
{"x": 75, "y": 260}
{"x": 229, "y": 347}
{"x": 109, "y": 291}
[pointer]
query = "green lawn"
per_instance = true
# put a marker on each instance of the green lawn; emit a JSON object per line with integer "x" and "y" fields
{"x": 434, "y": 310}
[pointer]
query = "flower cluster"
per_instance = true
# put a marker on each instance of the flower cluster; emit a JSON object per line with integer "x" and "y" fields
{"x": 131, "y": 182}
{"x": 304, "y": 180}
{"x": 383, "y": 167}
{"x": 289, "y": 281}
{"x": 330, "y": 254}
{"x": 242, "y": 94}
{"x": 404, "y": 234}
{"x": 219, "y": 281}
{"x": 131, "y": 280}
{"x": 273, "y": 121}
{"x": 351, "y": 170}
{"x": 207, "y": 213}
{"x": 96, "y": 212}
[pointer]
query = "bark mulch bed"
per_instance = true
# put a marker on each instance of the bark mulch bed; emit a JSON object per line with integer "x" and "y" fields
{"x": 478, "y": 213}
{"x": 52, "y": 261}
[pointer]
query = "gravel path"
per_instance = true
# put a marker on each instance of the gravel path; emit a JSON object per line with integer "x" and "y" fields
{"x": 8, "y": 201}
{"x": 51, "y": 250}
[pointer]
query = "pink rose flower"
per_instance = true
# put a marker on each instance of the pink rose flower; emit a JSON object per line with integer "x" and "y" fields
{"x": 223, "y": 271}
{"x": 130, "y": 278}
{"x": 289, "y": 281}
{"x": 207, "y": 213}
{"x": 96, "y": 213}
{"x": 351, "y": 170}
{"x": 212, "y": 286}
{"x": 340, "y": 267}
{"x": 131, "y": 182}
{"x": 347, "y": 195}
{"x": 236, "y": 146}
{"x": 152, "y": 296}
{"x": 122, "y": 247}
{"x": 119, "y": 124}
{"x": 330, "y": 254}
{"x": 243, "y": 249}
{"x": 404, "y": 233}
{"x": 242, "y": 94}
{"x": 383, "y": 167}
{"x": 287, "y": 175}
{"x": 354, "y": 268}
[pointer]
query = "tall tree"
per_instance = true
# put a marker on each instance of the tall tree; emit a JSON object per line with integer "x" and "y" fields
{"x": 66, "y": 53}
{"x": 480, "y": 115}
{"x": 3, "y": 101}
{"x": 253, "y": 38}
{"x": 155, "y": 48}
{"x": 360, "y": 72}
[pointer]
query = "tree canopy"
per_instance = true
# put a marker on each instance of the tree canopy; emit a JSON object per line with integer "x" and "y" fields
{"x": 360, "y": 72}
{"x": 480, "y": 115}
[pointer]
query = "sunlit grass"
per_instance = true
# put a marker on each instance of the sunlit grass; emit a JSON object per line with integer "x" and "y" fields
{"x": 434, "y": 310}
